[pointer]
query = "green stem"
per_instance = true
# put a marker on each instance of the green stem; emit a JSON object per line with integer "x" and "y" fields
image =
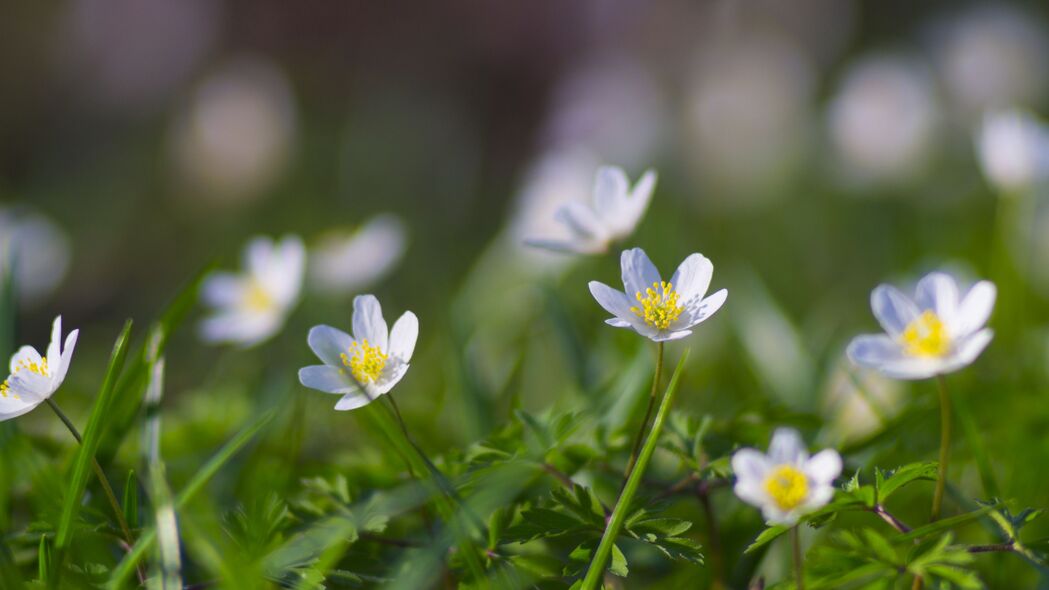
{"x": 945, "y": 447}
{"x": 799, "y": 563}
{"x": 596, "y": 570}
{"x": 648, "y": 412}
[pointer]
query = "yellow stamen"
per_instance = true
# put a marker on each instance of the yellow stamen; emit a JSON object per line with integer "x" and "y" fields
{"x": 365, "y": 361}
{"x": 787, "y": 486}
{"x": 256, "y": 298}
{"x": 659, "y": 305}
{"x": 38, "y": 368}
{"x": 926, "y": 336}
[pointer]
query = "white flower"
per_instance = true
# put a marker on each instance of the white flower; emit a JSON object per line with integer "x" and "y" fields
{"x": 366, "y": 365}
{"x": 39, "y": 250}
{"x": 1014, "y": 150}
{"x": 613, "y": 214}
{"x": 33, "y": 378}
{"x": 660, "y": 310}
{"x": 936, "y": 333}
{"x": 786, "y": 484}
{"x": 251, "y": 306}
{"x": 349, "y": 262}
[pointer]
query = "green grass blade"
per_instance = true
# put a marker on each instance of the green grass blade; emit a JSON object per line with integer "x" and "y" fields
{"x": 85, "y": 454}
{"x": 145, "y": 542}
{"x": 130, "y": 502}
{"x": 604, "y": 550}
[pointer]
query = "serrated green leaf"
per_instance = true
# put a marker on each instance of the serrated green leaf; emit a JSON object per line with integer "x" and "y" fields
{"x": 905, "y": 475}
{"x": 619, "y": 565}
{"x": 767, "y": 536}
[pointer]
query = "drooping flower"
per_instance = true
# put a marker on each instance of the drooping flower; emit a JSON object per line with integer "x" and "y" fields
{"x": 252, "y": 305}
{"x": 786, "y": 483}
{"x": 365, "y": 365}
{"x": 349, "y": 262}
{"x": 1014, "y": 150}
{"x": 612, "y": 215}
{"x": 937, "y": 332}
{"x": 656, "y": 309}
{"x": 35, "y": 378}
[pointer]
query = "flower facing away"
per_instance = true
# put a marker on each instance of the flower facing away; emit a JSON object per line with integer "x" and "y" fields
{"x": 612, "y": 215}
{"x": 657, "y": 309}
{"x": 350, "y": 262}
{"x": 1014, "y": 150}
{"x": 365, "y": 365}
{"x": 34, "y": 378}
{"x": 251, "y": 306}
{"x": 936, "y": 333}
{"x": 786, "y": 483}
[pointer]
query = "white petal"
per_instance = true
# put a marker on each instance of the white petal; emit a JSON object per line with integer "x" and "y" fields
{"x": 706, "y": 308}
{"x": 610, "y": 190}
{"x": 283, "y": 279}
{"x": 391, "y": 376}
{"x": 66, "y": 358}
{"x": 773, "y": 515}
{"x": 327, "y": 379}
{"x": 581, "y": 220}
{"x": 667, "y": 336}
{"x": 787, "y": 448}
{"x": 912, "y": 368}
{"x": 751, "y": 491}
{"x": 938, "y": 291}
{"x": 576, "y": 246}
{"x": 750, "y": 464}
{"x": 31, "y": 386}
{"x": 893, "y": 309}
{"x": 403, "y": 336}
{"x": 613, "y": 301}
{"x": 243, "y": 329}
{"x": 54, "y": 351}
{"x": 27, "y": 355}
{"x": 968, "y": 350}
{"x": 824, "y": 466}
{"x": 871, "y": 350}
{"x": 818, "y": 497}
{"x": 692, "y": 279}
{"x": 329, "y": 344}
{"x": 13, "y": 407}
{"x": 353, "y": 401}
{"x": 618, "y": 323}
{"x": 223, "y": 289}
{"x": 975, "y": 308}
{"x": 638, "y": 271}
{"x": 258, "y": 255}
{"x": 642, "y": 191}
{"x": 368, "y": 323}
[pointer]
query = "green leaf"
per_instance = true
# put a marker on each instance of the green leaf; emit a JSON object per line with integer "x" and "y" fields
{"x": 618, "y": 566}
{"x": 85, "y": 454}
{"x": 767, "y": 536}
{"x": 43, "y": 559}
{"x": 903, "y": 476}
{"x": 944, "y": 524}
{"x": 130, "y": 502}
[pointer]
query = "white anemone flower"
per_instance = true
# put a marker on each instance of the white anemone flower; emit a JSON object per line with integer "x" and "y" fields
{"x": 656, "y": 309}
{"x": 252, "y": 305}
{"x": 613, "y": 214}
{"x": 35, "y": 378}
{"x": 349, "y": 262}
{"x": 1014, "y": 150}
{"x": 937, "y": 332}
{"x": 365, "y": 365}
{"x": 786, "y": 483}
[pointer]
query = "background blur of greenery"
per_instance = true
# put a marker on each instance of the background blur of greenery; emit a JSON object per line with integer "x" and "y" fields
{"x": 467, "y": 120}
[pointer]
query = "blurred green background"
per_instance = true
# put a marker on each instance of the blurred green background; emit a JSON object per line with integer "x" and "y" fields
{"x": 810, "y": 148}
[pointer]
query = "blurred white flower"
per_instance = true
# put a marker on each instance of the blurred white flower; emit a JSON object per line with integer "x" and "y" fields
{"x": 34, "y": 378}
{"x": 993, "y": 56}
{"x": 252, "y": 305}
{"x": 749, "y": 117}
{"x": 937, "y": 332}
{"x": 663, "y": 311}
{"x": 345, "y": 262}
{"x": 786, "y": 484}
{"x": 1014, "y": 150}
{"x": 39, "y": 250}
{"x": 613, "y": 214}
{"x": 366, "y": 365}
{"x": 234, "y": 137}
{"x": 882, "y": 118}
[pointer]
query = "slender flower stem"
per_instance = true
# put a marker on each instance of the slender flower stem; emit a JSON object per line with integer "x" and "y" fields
{"x": 102, "y": 479}
{"x": 799, "y": 564}
{"x": 648, "y": 412}
{"x": 596, "y": 571}
{"x": 945, "y": 447}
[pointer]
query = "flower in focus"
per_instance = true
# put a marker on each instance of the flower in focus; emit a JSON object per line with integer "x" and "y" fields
{"x": 251, "y": 306}
{"x": 348, "y": 262}
{"x": 937, "y": 332}
{"x": 39, "y": 250}
{"x": 656, "y": 309}
{"x": 786, "y": 483}
{"x": 612, "y": 215}
{"x": 34, "y": 378}
{"x": 365, "y": 365}
{"x": 1014, "y": 150}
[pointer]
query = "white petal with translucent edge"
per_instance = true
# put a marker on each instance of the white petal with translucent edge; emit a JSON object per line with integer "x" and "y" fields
{"x": 368, "y": 323}
{"x": 692, "y": 278}
{"x": 327, "y": 379}
{"x": 67, "y": 356}
{"x": 787, "y": 448}
{"x": 613, "y": 301}
{"x": 403, "y": 336}
{"x": 638, "y": 271}
{"x": 329, "y": 344}
{"x": 893, "y": 309}
{"x": 391, "y": 378}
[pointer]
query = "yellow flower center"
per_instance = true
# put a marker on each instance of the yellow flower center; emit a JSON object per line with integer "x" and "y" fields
{"x": 659, "y": 305}
{"x": 256, "y": 298}
{"x": 365, "y": 361}
{"x": 926, "y": 336}
{"x": 787, "y": 486}
{"x": 38, "y": 368}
